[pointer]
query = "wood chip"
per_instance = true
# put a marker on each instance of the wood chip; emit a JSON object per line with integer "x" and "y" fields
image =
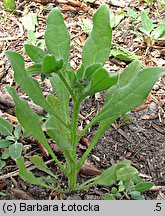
{"x": 20, "y": 194}
{"x": 89, "y": 169}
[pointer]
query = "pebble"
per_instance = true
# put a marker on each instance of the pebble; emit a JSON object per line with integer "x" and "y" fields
{"x": 155, "y": 53}
{"x": 156, "y": 87}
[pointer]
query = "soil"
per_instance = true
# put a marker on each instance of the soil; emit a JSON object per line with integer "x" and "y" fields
{"x": 139, "y": 136}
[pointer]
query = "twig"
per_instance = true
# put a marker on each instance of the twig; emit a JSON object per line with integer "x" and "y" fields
{"x": 73, "y": 3}
{"x": 120, "y": 131}
{"x": 22, "y": 4}
{"x": 158, "y": 188}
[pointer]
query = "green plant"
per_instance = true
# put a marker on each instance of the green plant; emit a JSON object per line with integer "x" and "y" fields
{"x": 122, "y": 54}
{"x": 9, "y": 141}
{"x": 30, "y": 22}
{"x": 161, "y": 3}
{"x": 149, "y": 31}
{"x": 115, "y": 19}
{"x": 9, "y": 5}
{"x": 2, "y": 194}
{"x": 130, "y": 189}
{"x": 149, "y": 2}
{"x": 124, "y": 93}
{"x": 132, "y": 13}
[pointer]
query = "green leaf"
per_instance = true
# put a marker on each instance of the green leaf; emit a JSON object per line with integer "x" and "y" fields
{"x": 136, "y": 179}
{"x": 143, "y": 30}
{"x": 135, "y": 195}
{"x": 124, "y": 55}
{"x": 4, "y": 143}
{"x": 40, "y": 44}
{"x": 54, "y": 102}
{"x": 57, "y": 38}
{"x": 48, "y": 180}
{"x": 115, "y": 19}
{"x": 149, "y": 2}
{"x": 28, "y": 176}
{"x": 2, "y": 164}
{"x": 121, "y": 187}
{"x": 58, "y": 133}
{"x": 71, "y": 77}
{"x": 9, "y": 5}
{"x": 86, "y": 26}
{"x": 146, "y": 22}
{"x": 114, "y": 190}
{"x": 133, "y": 14}
{"x": 10, "y": 138}
{"x": 34, "y": 69}
{"x": 51, "y": 64}
{"x": 29, "y": 119}
{"x": 126, "y": 173}
{"x": 2, "y": 194}
{"x": 138, "y": 33}
{"x": 108, "y": 177}
{"x": 94, "y": 79}
{"x": 143, "y": 186}
{"x": 5, "y": 154}
{"x": 29, "y": 21}
{"x": 132, "y": 88}
{"x": 15, "y": 150}
{"x": 25, "y": 134}
{"x": 31, "y": 36}
{"x": 97, "y": 46}
{"x": 40, "y": 164}
{"x": 102, "y": 80}
{"x": 17, "y": 131}
{"x": 159, "y": 32}
{"x": 5, "y": 127}
{"x": 109, "y": 196}
{"x": 90, "y": 71}
{"x": 29, "y": 85}
{"x": 84, "y": 76}
{"x": 63, "y": 98}
{"x": 129, "y": 185}
{"x": 35, "y": 53}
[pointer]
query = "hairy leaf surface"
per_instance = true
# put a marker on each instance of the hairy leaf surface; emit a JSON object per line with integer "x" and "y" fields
{"x": 57, "y": 38}
{"x": 97, "y": 46}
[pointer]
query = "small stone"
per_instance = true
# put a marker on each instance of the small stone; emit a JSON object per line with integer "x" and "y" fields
{"x": 156, "y": 87}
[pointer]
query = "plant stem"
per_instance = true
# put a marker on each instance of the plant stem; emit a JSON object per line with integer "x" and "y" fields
{"x": 126, "y": 195}
{"x": 55, "y": 189}
{"x": 76, "y": 107}
{"x": 56, "y": 160}
{"x": 67, "y": 86}
{"x": 72, "y": 177}
{"x": 91, "y": 123}
{"x": 87, "y": 184}
{"x": 56, "y": 116}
